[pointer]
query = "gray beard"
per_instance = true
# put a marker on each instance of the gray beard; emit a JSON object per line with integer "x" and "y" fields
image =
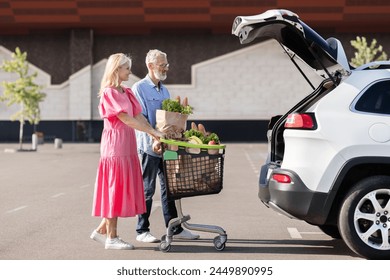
{"x": 160, "y": 76}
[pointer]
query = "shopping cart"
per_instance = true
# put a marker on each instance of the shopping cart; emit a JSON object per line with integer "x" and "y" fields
{"x": 192, "y": 170}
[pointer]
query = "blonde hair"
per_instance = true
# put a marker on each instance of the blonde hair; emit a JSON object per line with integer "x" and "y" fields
{"x": 110, "y": 76}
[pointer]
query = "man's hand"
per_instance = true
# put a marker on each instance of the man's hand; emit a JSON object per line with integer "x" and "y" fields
{"x": 157, "y": 147}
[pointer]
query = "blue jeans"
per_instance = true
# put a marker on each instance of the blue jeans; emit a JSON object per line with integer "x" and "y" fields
{"x": 151, "y": 167}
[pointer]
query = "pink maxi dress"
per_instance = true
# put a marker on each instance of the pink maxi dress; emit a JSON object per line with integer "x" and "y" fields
{"x": 119, "y": 190}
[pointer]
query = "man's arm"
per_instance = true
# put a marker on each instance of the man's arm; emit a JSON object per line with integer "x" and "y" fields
{"x": 140, "y": 97}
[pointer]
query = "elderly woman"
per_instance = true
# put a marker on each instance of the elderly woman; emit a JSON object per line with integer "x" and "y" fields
{"x": 119, "y": 188}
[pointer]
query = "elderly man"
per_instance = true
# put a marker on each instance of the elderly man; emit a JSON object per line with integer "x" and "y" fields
{"x": 150, "y": 92}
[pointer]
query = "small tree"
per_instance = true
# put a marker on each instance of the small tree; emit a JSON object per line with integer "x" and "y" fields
{"x": 366, "y": 53}
{"x": 23, "y": 91}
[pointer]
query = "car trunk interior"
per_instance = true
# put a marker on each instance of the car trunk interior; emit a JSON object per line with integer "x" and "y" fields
{"x": 276, "y": 123}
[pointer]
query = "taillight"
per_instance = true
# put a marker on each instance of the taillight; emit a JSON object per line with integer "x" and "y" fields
{"x": 302, "y": 121}
{"x": 281, "y": 178}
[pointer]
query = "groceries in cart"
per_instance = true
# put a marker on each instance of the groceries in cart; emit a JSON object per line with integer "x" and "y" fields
{"x": 194, "y": 166}
{"x": 172, "y": 120}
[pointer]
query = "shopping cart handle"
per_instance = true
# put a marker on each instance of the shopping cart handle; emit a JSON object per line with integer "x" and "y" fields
{"x": 190, "y": 145}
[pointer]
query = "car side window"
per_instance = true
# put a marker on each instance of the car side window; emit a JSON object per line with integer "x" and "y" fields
{"x": 376, "y": 99}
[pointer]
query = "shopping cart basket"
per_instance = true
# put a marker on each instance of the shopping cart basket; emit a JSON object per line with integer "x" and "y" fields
{"x": 192, "y": 170}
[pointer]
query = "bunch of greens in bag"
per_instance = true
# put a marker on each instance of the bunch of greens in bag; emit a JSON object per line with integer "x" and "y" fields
{"x": 175, "y": 106}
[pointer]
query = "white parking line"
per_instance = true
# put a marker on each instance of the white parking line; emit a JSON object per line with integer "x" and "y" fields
{"x": 254, "y": 168}
{"x": 294, "y": 233}
{"x": 57, "y": 195}
{"x": 17, "y": 209}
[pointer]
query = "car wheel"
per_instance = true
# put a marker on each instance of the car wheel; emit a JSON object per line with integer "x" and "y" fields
{"x": 364, "y": 218}
{"x": 330, "y": 230}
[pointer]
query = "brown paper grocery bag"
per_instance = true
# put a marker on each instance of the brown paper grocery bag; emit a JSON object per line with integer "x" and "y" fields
{"x": 171, "y": 123}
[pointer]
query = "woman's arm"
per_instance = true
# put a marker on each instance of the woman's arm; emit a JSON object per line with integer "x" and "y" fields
{"x": 142, "y": 119}
{"x": 140, "y": 123}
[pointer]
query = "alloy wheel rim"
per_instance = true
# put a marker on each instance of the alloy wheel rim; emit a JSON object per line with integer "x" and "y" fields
{"x": 372, "y": 219}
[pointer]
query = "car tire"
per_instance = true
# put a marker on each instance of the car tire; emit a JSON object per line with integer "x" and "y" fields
{"x": 364, "y": 218}
{"x": 331, "y": 230}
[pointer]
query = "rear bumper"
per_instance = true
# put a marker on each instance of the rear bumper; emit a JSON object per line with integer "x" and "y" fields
{"x": 263, "y": 184}
{"x": 294, "y": 199}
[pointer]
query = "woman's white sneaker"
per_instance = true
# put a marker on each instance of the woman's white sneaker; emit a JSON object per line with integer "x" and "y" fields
{"x": 117, "y": 244}
{"x": 101, "y": 238}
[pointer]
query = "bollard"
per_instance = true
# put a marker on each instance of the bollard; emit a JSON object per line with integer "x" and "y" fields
{"x": 40, "y": 137}
{"x": 34, "y": 140}
{"x": 58, "y": 143}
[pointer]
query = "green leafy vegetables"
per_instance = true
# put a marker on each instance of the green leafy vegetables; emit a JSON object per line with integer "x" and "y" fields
{"x": 175, "y": 106}
{"x": 206, "y": 138}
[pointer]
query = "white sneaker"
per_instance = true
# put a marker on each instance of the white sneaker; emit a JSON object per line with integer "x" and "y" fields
{"x": 186, "y": 234}
{"x": 117, "y": 244}
{"x": 101, "y": 238}
{"x": 147, "y": 237}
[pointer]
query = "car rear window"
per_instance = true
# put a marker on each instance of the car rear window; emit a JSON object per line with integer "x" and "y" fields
{"x": 376, "y": 99}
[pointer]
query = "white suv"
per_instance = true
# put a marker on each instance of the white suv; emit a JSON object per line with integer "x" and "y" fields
{"x": 329, "y": 155}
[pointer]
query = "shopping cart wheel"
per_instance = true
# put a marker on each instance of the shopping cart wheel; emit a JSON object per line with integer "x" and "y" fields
{"x": 218, "y": 243}
{"x": 164, "y": 246}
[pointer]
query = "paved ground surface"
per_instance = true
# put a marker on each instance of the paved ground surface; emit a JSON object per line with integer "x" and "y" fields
{"x": 46, "y": 199}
